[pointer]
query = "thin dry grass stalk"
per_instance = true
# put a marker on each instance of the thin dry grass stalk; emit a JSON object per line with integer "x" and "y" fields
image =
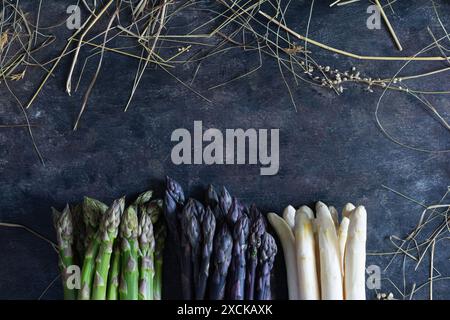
{"x": 433, "y": 228}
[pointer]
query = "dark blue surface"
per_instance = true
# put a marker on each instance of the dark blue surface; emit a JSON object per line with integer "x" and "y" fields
{"x": 331, "y": 148}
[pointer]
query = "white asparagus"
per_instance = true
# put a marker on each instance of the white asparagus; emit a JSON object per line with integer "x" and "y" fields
{"x": 355, "y": 256}
{"x": 289, "y": 216}
{"x": 308, "y": 211}
{"x": 330, "y": 268}
{"x": 342, "y": 238}
{"x": 347, "y": 210}
{"x": 335, "y": 215}
{"x": 286, "y": 237}
{"x": 308, "y": 284}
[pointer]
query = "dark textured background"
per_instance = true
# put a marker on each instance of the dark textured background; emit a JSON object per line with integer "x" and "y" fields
{"x": 330, "y": 148}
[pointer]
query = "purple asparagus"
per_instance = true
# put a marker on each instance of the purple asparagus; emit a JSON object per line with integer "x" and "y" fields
{"x": 223, "y": 205}
{"x": 173, "y": 205}
{"x": 268, "y": 250}
{"x": 208, "y": 228}
{"x": 234, "y": 212}
{"x": 223, "y": 244}
{"x": 211, "y": 198}
{"x": 190, "y": 242}
{"x": 257, "y": 230}
{"x": 236, "y": 279}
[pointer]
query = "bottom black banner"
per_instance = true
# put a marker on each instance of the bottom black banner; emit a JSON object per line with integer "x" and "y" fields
{"x": 219, "y": 309}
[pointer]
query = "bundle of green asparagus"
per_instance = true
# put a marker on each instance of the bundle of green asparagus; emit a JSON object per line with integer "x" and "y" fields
{"x": 111, "y": 252}
{"x": 325, "y": 259}
{"x": 223, "y": 248}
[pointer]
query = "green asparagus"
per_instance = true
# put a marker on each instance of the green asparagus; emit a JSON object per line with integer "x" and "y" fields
{"x": 112, "y": 292}
{"x": 92, "y": 211}
{"x": 147, "y": 247}
{"x": 160, "y": 238}
{"x": 64, "y": 232}
{"x": 155, "y": 210}
{"x": 143, "y": 198}
{"x": 109, "y": 228}
{"x": 128, "y": 287}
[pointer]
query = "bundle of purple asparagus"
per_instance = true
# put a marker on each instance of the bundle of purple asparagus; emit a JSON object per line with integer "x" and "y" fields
{"x": 223, "y": 248}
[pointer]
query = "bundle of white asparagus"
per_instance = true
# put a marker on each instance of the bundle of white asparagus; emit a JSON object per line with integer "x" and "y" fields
{"x": 325, "y": 259}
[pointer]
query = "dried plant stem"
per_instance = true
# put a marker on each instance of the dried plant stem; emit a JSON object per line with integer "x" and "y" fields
{"x": 47, "y": 76}
{"x": 49, "y": 286}
{"x": 121, "y": 52}
{"x": 346, "y": 53}
{"x": 21, "y": 226}
{"x": 94, "y": 78}
{"x": 52, "y": 69}
{"x": 347, "y": 2}
{"x": 335, "y": 3}
{"x": 77, "y": 51}
{"x": 432, "y": 269}
{"x": 15, "y": 125}
{"x": 389, "y": 26}
{"x": 150, "y": 53}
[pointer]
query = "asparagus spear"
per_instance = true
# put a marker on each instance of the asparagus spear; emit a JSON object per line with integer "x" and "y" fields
{"x": 289, "y": 216}
{"x": 223, "y": 245}
{"x": 343, "y": 232}
{"x": 244, "y": 209}
{"x": 236, "y": 282}
{"x": 154, "y": 209}
{"x": 92, "y": 211}
{"x": 190, "y": 241}
{"x": 147, "y": 247}
{"x": 257, "y": 230}
{"x": 268, "y": 250}
{"x": 150, "y": 213}
{"x": 308, "y": 284}
{"x": 112, "y": 292}
{"x": 208, "y": 228}
{"x": 223, "y": 206}
{"x": 234, "y": 212}
{"x": 128, "y": 287}
{"x": 355, "y": 256}
{"x": 211, "y": 198}
{"x": 143, "y": 198}
{"x": 342, "y": 238}
{"x": 307, "y": 210}
{"x": 330, "y": 265}
{"x": 173, "y": 204}
{"x": 347, "y": 210}
{"x": 160, "y": 238}
{"x": 286, "y": 237}
{"x": 64, "y": 234}
{"x": 87, "y": 271}
{"x": 335, "y": 216}
{"x": 194, "y": 234}
{"x": 109, "y": 228}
